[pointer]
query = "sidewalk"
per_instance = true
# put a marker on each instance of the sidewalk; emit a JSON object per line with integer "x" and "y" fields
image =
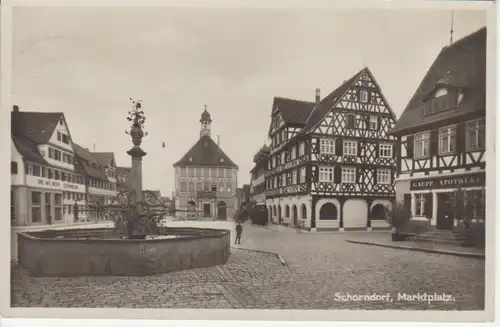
{"x": 384, "y": 240}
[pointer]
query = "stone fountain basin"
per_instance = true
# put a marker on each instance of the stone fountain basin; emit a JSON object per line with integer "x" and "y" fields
{"x": 101, "y": 252}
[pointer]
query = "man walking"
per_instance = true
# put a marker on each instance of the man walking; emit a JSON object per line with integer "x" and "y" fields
{"x": 239, "y": 231}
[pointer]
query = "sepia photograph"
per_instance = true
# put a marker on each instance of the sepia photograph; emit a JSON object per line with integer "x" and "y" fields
{"x": 249, "y": 158}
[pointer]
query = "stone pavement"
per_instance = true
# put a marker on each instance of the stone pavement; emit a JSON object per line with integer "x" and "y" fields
{"x": 384, "y": 239}
{"x": 320, "y": 269}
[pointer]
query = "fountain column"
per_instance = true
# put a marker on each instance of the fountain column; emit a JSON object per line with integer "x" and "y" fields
{"x": 137, "y": 133}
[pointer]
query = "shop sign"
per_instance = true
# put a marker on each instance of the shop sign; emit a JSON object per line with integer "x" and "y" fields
{"x": 53, "y": 184}
{"x": 206, "y": 195}
{"x": 469, "y": 180}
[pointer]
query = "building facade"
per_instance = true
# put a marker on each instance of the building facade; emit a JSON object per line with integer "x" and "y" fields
{"x": 45, "y": 185}
{"x": 332, "y": 163}
{"x": 257, "y": 190}
{"x": 100, "y": 180}
{"x": 441, "y": 135}
{"x": 205, "y": 178}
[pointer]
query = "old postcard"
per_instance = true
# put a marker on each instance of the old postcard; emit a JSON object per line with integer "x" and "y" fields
{"x": 256, "y": 161}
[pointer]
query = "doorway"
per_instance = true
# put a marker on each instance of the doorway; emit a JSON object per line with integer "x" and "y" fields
{"x": 222, "y": 210}
{"x": 445, "y": 213}
{"x": 206, "y": 209}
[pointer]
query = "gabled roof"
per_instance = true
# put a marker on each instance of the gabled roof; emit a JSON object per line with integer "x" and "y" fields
{"x": 293, "y": 111}
{"x": 206, "y": 152}
{"x": 36, "y": 127}
{"x": 105, "y": 158}
{"x": 460, "y": 65}
{"x": 319, "y": 112}
{"x": 28, "y": 150}
{"x": 85, "y": 165}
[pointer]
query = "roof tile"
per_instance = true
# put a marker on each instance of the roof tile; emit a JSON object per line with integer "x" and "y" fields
{"x": 205, "y": 152}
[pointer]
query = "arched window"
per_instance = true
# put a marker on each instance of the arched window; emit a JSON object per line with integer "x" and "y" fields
{"x": 328, "y": 212}
{"x": 378, "y": 212}
{"x": 303, "y": 209}
{"x": 287, "y": 211}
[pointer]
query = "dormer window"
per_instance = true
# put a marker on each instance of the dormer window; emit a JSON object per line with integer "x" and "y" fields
{"x": 61, "y": 121}
{"x": 441, "y": 92}
{"x": 190, "y": 158}
{"x": 221, "y": 160}
{"x": 460, "y": 96}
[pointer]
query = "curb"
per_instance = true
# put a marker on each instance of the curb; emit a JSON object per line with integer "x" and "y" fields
{"x": 280, "y": 258}
{"x": 458, "y": 254}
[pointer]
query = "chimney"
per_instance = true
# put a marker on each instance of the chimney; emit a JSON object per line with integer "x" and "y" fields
{"x": 318, "y": 96}
{"x": 218, "y": 140}
{"x": 15, "y": 108}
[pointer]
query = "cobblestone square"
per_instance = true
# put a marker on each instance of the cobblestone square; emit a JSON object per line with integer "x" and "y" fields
{"x": 322, "y": 270}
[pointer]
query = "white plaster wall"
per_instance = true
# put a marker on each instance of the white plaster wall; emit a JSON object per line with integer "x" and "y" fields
{"x": 292, "y": 200}
{"x": 355, "y": 213}
{"x": 327, "y": 223}
{"x": 20, "y": 177}
{"x": 63, "y": 129}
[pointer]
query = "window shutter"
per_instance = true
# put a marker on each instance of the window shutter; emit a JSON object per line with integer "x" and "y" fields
{"x": 379, "y": 119}
{"x": 434, "y": 142}
{"x": 409, "y": 146}
{"x": 339, "y": 147}
{"x": 375, "y": 177}
{"x": 358, "y": 174}
{"x": 13, "y": 167}
{"x": 460, "y": 137}
{"x": 350, "y": 121}
{"x": 394, "y": 146}
{"x": 359, "y": 148}
{"x": 428, "y": 205}
{"x": 377, "y": 150}
{"x": 316, "y": 145}
{"x": 337, "y": 174}
{"x": 315, "y": 173}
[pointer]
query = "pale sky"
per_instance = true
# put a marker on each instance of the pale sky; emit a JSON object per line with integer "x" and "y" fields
{"x": 87, "y": 62}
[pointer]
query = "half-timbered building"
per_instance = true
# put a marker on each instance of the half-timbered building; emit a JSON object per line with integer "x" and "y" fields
{"x": 258, "y": 177}
{"x": 332, "y": 163}
{"x": 441, "y": 134}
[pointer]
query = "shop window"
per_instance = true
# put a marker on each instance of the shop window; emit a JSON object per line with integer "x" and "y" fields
{"x": 36, "y": 210}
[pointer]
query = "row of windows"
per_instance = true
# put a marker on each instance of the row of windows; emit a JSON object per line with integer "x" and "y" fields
{"x": 296, "y": 176}
{"x": 348, "y": 175}
{"x": 59, "y": 155}
{"x": 207, "y": 172}
{"x": 52, "y": 173}
{"x": 291, "y": 154}
{"x": 350, "y": 148}
{"x": 192, "y": 186}
{"x": 73, "y": 196}
{"x": 51, "y": 206}
{"x": 61, "y": 137}
{"x": 476, "y": 208}
{"x": 363, "y": 122}
{"x": 447, "y": 138}
{"x": 105, "y": 185}
{"x": 279, "y": 138}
